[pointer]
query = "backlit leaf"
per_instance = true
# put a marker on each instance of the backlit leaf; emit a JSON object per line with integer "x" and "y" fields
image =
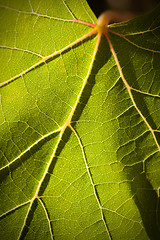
{"x": 79, "y": 123}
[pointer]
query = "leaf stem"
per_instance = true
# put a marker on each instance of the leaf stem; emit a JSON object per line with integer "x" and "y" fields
{"x": 113, "y": 16}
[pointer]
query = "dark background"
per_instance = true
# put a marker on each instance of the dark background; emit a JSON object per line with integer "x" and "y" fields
{"x": 137, "y": 7}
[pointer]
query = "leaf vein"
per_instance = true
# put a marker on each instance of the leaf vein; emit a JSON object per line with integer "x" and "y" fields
{"x": 130, "y": 93}
{"x": 49, "y": 57}
{"x": 92, "y": 183}
{"x": 29, "y": 148}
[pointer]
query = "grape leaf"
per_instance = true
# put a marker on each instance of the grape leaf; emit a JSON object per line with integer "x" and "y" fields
{"x": 79, "y": 123}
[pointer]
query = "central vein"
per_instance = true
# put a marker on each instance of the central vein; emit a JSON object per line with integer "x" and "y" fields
{"x": 67, "y": 124}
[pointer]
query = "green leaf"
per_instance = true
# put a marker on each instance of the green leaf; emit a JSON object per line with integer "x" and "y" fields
{"x": 79, "y": 123}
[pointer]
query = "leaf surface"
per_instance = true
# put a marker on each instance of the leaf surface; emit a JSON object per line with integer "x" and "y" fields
{"x": 79, "y": 123}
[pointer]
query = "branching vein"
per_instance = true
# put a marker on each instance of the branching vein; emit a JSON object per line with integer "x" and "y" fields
{"x": 62, "y": 130}
{"x": 49, "y": 57}
{"x": 131, "y": 42}
{"x": 13, "y": 209}
{"x": 92, "y": 183}
{"x": 130, "y": 92}
{"x": 145, "y": 93}
{"x": 22, "y": 50}
{"x": 48, "y": 219}
{"x": 49, "y": 17}
{"x": 25, "y": 220}
{"x": 68, "y": 9}
{"x": 141, "y": 47}
{"x": 29, "y": 148}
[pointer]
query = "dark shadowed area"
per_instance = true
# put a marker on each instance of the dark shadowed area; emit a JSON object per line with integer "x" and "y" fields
{"x": 137, "y": 7}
